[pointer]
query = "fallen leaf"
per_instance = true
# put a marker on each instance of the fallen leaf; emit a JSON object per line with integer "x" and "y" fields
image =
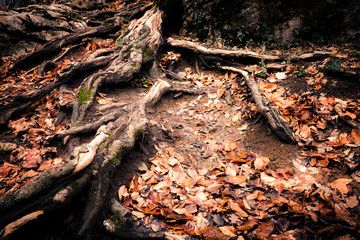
{"x": 261, "y": 162}
{"x": 228, "y": 231}
{"x": 201, "y": 224}
{"x": 237, "y": 117}
{"x": 230, "y": 146}
{"x": 235, "y": 180}
{"x": 122, "y": 192}
{"x": 340, "y": 185}
{"x": 268, "y": 180}
{"x": 32, "y": 158}
{"x": 235, "y": 207}
{"x": 234, "y": 218}
{"x": 352, "y": 201}
{"x": 265, "y": 229}
{"x": 280, "y": 75}
{"x": 138, "y": 215}
{"x": 214, "y": 188}
{"x": 355, "y": 133}
{"x": 4, "y": 170}
{"x": 248, "y": 225}
{"x": 231, "y": 169}
{"x": 221, "y": 92}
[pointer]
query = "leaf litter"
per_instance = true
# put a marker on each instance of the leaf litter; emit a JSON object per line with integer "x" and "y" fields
{"x": 236, "y": 194}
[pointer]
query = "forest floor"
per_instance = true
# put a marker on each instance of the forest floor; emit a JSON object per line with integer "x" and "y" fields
{"x": 209, "y": 166}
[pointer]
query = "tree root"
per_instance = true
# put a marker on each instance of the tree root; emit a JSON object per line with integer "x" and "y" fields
{"x": 122, "y": 139}
{"x": 277, "y": 123}
{"x": 316, "y": 55}
{"x": 24, "y": 198}
{"x": 134, "y": 48}
{"x": 14, "y": 226}
{"x": 199, "y": 48}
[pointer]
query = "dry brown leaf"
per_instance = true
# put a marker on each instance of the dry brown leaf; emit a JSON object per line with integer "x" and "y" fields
{"x": 248, "y": 225}
{"x": 5, "y": 170}
{"x": 340, "y": 185}
{"x": 234, "y": 218}
{"x": 32, "y": 158}
{"x": 235, "y": 207}
{"x": 122, "y": 192}
{"x": 355, "y": 133}
{"x": 350, "y": 115}
{"x": 352, "y": 201}
{"x": 261, "y": 162}
{"x": 235, "y": 180}
{"x": 228, "y": 231}
{"x": 231, "y": 169}
{"x": 201, "y": 224}
{"x": 265, "y": 229}
{"x": 280, "y": 75}
{"x": 268, "y": 180}
{"x": 230, "y": 146}
{"x": 138, "y": 215}
{"x": 221, "y": 92}
{"x": 214, "y": 188}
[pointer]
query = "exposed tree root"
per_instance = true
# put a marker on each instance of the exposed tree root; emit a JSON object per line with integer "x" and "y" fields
{"x": 277, "y": 123}
{"x": 137, "y": 46}
{"x": 22, "y": 199}
{"x": 199, "y": 48}
{"x": 14, "y": 226}
{"x": 316, "y": 55}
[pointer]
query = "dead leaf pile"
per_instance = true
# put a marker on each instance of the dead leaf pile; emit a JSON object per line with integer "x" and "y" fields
{"x": 34, "y": 154}
{"x": 314, "y": 120}
{"x": 233, "y": 198}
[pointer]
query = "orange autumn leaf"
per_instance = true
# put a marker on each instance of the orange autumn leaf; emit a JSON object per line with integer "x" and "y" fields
{"x": 350, "y": 115}
{"x": 231, "y": 169}
{"x": 340, "y": 185}
{"x": 122, "y": 192}
{"x": 235, "y": 180}
{"x": 261, "y": 162}
{"x": 265, "y": 229}
{"x": 352, "y": 201}
{"x": 228, "y": 231}
{"x": 270, "y": 87}
{"x": 214, "y": 188}
{"x": 317, "y": 87}
{"x": 268, "y": 180}
{"x": 248, "y": 225}
{"x": 230, "y": 146}
{"x": 201, "y": 225}
{"x": 220, "y": 92}
{"x": 235, "y": 207}
{"x": 355, "y": 133}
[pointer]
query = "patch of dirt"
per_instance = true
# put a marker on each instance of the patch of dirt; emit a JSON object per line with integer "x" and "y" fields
{"x": 259, "y": 139}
